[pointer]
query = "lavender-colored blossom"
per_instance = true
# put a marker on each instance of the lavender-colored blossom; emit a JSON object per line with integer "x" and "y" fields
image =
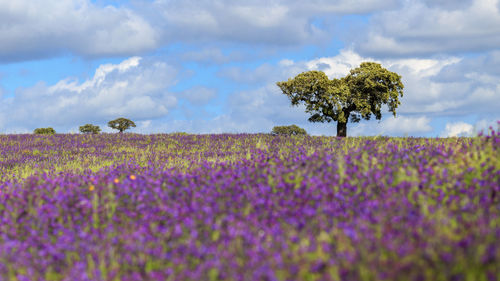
{"x": 248, "y": 207}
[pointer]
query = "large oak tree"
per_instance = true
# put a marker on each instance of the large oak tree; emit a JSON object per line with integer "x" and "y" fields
{"x": 352, "y": 98}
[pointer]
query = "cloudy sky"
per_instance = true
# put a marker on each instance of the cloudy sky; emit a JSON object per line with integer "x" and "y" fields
{"x": 211, "y": 66}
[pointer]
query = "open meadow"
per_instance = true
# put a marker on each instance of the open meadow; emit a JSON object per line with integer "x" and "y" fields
{"x": 249, "y": 207}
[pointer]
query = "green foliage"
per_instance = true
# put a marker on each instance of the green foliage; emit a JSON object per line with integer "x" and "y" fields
{"x": 90, "y": 129}
{"x": 121, "y": 124}
{"x": 354, "y": 97}
{"x": 44, "y": 131}
{"x": 288, "y": 130}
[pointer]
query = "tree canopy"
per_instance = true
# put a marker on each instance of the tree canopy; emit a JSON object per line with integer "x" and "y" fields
{"x": 288, "y": 130}
{"x": 357, "y": 96}
{"x": 90, "y": 129}
{"x": 44, "y": 131}
{"x": 121, "y": 124}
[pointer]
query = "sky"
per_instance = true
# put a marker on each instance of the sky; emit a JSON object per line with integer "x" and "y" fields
{"x": 211, "y": 66}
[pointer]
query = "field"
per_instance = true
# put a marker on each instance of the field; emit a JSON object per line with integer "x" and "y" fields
{"x": 249, "y": 207}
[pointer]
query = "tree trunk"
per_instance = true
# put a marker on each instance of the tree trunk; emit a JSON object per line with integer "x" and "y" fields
{"x": 341, "y": 129}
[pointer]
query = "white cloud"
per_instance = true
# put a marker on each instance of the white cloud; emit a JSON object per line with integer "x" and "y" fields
{"x": 286, "y": 62}
{"x": 457, "y": 129}
{"x": 212, "y": 55}
{"x": 144, "y": 126}
{"x": 134, "y": 89}
{"x": 392, "y": 126}
{"x": 199, "y": 95}
{"x": 342, "y": 6}
{"x": 267, "y": 73}
{"x": 485, "y": 125}
{"x": 406, "y": 125}
{"x": 278, "y": 22}
{"x": 260, "y": 75}
{"x": 264, "y": 106}
{"x": 429, "y": 27}
{"x": 99, "y": 77}
{"x": 36, "y": 29}
{"x": 347, "y": 59}
{"x": 252, "y": 111}
{"x": 338, "y": 66}
{"x": 448, "y": 4}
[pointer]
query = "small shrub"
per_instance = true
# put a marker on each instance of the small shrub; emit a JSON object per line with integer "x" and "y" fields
{"x": 44, "y": 131}
{"x": 90, "y": 129}
{"x": 288, "y": 130}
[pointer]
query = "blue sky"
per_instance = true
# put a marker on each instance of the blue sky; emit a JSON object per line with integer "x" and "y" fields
{"x": 212, "y": 66}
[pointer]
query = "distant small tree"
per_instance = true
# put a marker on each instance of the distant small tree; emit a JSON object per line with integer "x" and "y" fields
{"x": 90, "y": 129}
{"x": 44, "y": 131}
{"x": 288, "y": 130}
{"x": 121, "y": 124}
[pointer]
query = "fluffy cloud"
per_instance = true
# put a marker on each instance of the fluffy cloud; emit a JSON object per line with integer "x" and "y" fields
{"x": 337, "y": 66}
{"x": 264, "y": 107}
{"x": 406, "y": 125}
{"x": 134, "y": 89}
{"x": 252, "y": 111}
{"x": 211, "y": 55}
{"x": 264, "y": 73}
{"x": 448, "y": 4}
{"x": 36, "y": 29}
{"x": 390, "y": 126}
{"x": 429, "y": 27}
{"x": 457, "y": 129}
{"x": 199, "y": 95}
{"x": 279, "y": 22}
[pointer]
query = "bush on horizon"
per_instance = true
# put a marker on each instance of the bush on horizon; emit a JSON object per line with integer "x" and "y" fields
{"x": 90, "y": 129}
{"x": 288, "y": 130}
{"x": 44, "y": 131}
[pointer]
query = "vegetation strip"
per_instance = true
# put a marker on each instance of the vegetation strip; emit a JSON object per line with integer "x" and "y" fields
{"x": 248, "y": 207}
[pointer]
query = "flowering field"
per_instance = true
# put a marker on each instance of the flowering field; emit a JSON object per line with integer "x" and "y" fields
{"x": 249, "y": 207}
